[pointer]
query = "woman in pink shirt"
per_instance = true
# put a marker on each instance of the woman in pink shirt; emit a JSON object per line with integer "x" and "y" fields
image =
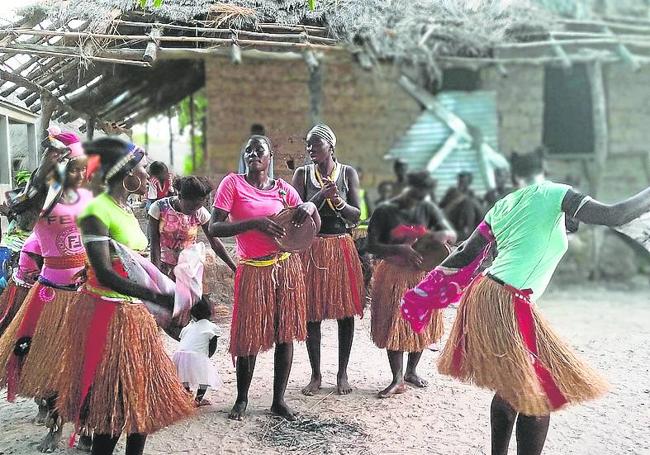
{"x": 29, "y": 348}
{"x": 270, "y": 305}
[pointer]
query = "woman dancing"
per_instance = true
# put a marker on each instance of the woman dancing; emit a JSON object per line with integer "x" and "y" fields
{"x": 394, "y": 226}
{"x": 116, "y": 377}
{"x": 174, "y": 223}
{"x": 334, "y": 279}
{"x": 30, "y": 348}
{"x": 269, "y": 285}
{"x": 499, "y": 340}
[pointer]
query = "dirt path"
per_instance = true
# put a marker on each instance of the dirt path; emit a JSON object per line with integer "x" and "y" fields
{"x": 610, "y": 328}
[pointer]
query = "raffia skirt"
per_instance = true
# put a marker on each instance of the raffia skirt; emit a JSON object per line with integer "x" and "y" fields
{"x": 387, "y": 327}
{"x": 40, "y": 318}
{"x": 500, "y": 342}
{"x": 269, "y": 306}
{"x": 11, "y": 300}
{"x": 116, "y": 376}
{"x": 334, "y": 279}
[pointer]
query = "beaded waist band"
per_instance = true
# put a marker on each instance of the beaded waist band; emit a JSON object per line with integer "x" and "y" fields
{"x": 65, "y": 262}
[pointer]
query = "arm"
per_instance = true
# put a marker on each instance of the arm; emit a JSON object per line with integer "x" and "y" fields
{"x": 218, "y": 248}
{"x": 350, "y": 210}
{"x": 379, "y": 225}
{"x": 154, "y": 235}
{"x": 594, "y": 212}
{"x": 445, "y": 232}
{"x": 100, "y": 260}
{"x": 466, "y": 252}
{"x": 212, "y": 347}
{"x": 220, "y": 226}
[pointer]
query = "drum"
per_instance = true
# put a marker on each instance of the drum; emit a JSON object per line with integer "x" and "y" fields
{"x": 433, "y": 251}
{"x": 296, "y": 238}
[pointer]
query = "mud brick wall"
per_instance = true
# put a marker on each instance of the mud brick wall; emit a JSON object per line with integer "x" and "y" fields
{"x": 367, "y": 110}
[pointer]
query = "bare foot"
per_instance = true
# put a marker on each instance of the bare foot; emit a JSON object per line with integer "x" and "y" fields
{"x": 203, "y": 402}
{"x": 282, "y": 410}
{"x": 85, "y": 443}
{"x": 342, "y": 385}
{"x": 51, "y": 441}
{"x": 238, "y": 410}
{"x": 392, "y": 389}
{"x": 41, "y": 417}
{"x": 415, "y": 380}
{"x": 313, "y": 386}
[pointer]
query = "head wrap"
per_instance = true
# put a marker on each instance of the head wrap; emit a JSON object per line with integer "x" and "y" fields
{"x": 69, "y": 139}
{"x": 324, "y": 132}
{"x": 134, "y": 155}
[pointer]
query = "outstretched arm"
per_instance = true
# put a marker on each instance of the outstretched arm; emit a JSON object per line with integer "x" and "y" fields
{"x": 591, "y": 211}
{"x": 469, "y": 250}
{"x": 218, "y": 248}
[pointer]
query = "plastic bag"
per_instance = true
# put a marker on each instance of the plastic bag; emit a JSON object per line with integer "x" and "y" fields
{"x": 189, "y": 279}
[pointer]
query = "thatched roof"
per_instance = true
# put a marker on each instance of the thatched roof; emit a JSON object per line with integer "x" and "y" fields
{"x": 112, "y": 61}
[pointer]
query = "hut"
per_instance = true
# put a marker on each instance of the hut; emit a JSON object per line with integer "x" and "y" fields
{"x": 445, "y": 85}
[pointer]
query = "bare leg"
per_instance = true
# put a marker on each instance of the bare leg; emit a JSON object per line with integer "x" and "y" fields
{"x": 104, "y": 444}
{"x": 245, "y": 368}
{"x": 411, "y": 375}
{"x": 85, "y": 443}
{"x": 313, "y": 350}
{"x": 346, "y": 336}
{"x": 283, "y": 358}
{"x": 135, "y": 443}
{"x": 502, "y": 420}
{"x": 531, "y": 434}
{"x": 396, "y": 361}
{"x": 41, "y": 417}
{"x": 200, "y": 393}
{"x": 55, "y": 428}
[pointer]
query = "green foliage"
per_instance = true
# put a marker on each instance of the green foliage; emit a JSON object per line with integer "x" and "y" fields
{"x": 156, "y": 3}
{"x": 21, "y": 177}
{"x": 184, "y": 121}
{"x": 312, "y": 4}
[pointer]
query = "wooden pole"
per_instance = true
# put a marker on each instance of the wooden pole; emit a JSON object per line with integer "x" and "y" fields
{"x": 90, "y": 128}
{"x": 48, "y": 106}
{"x": 146, "y": 136}
{"x": 171, "y": 138}
{"x": 192, "y": 143}
{"x": 315, "y": 87}
{"x": 152, "y": 47}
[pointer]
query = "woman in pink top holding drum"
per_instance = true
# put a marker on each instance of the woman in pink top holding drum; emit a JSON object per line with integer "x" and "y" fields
{"x": 269, "y": 284}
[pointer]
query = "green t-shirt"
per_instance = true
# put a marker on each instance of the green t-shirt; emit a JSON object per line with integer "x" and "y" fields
{"x": 530, "y": 236}
{"x": 122, "y": 225}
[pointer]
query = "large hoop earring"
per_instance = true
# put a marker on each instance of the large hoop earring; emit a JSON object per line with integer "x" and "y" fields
{"x": 129, "y": 190}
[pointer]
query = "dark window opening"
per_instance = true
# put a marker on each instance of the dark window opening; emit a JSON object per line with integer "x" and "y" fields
{"x": 460, "y": 79}
{"x": 568, "y": 117}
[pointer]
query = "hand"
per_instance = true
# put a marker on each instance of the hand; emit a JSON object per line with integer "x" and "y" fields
{"x": 408, "y": 253}
{"x": 304, "y": 211}
{"x": 268, "y": 226}
{"x": 165, "y": 300}
{"x": 329, "y": 190}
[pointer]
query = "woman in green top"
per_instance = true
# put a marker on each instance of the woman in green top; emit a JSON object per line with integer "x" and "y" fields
{"x": 116, "y": 376}
{"x": 499, "y": 340}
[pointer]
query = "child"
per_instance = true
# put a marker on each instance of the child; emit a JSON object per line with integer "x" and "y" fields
{"x": 198, "y": 343}
{"x": 159, "y": 184}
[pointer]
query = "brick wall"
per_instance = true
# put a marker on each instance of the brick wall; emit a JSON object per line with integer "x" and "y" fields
{"x": 367, "y": 110}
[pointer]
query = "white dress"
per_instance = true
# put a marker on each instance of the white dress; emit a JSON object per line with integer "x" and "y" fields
{"x": 191, "y": 359}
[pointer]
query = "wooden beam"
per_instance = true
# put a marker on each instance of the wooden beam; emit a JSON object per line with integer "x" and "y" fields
{"x": 173, "y": 39}
{"x": 153, "y": 45}
{"x": 73, "y": 53}
{"x": 49, "y": 105}
{"x": 253, "y": 54}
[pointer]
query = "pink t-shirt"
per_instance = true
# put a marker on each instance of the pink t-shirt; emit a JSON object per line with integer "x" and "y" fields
{"x": 59, "y": 237}
{"x": 243, "y": 202}
{"x": 28, "y": 270}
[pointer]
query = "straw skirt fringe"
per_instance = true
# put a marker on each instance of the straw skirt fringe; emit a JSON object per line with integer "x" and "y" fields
{"x": 11, "y": 300}
{"x": 269, "y": 306}
{"x": 494, "y": 354}
{"x": 334, "y": 279}
{"x": 388, "y": 329}
{"x": 135, "y": 387}
{"x": 42, "y": 364}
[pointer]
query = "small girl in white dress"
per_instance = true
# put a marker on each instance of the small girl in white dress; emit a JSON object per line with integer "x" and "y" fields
{"x": 198, "y": 344}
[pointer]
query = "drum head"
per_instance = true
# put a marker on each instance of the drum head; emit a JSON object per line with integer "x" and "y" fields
{"x": 296, "y": 238}
{"x": 432, "y": 250}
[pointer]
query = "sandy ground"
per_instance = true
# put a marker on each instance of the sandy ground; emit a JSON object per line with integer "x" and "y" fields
{"x": 610, "y": 327}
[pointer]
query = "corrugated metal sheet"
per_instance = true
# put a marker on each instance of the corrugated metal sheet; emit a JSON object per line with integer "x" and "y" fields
{"x": 425, "y": 137}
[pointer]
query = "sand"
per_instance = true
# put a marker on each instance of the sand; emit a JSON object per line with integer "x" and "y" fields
{"x": 609, "y": 327}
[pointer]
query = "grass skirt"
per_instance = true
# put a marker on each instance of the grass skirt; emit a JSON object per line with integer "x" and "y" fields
{"x": 135, "y": 388}
{"x": 492, "y": 345}
{"x": 11, "y": 300}
{"x": 334, "y": 279}
{"x": 38, "y": 372}
{"x": 269, "y": 306}
{"x": 388, "y": 329}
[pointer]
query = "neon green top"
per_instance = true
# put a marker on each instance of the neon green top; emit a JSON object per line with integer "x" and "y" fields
{"x": 363, "y": 207}
{"x": 530, "y": 236}
{"x": 122, "y": 225}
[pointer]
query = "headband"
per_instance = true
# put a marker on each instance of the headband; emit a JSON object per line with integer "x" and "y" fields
{"x": 324, "y": 132}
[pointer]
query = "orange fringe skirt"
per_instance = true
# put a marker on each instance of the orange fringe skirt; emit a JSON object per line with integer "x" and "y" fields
{"x": 11, "y": 300}
{"x": 388, "y": 329}
{"x": 334, "y": 279}
{"x": 134, "y": 388}
{"x": 500, "y": 342}
{"x": 269, "y": 306}
{"x": 36, "y": 374}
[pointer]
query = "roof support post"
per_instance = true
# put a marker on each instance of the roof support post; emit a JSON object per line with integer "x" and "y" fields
{"x": 151, "y": 51}
{"x": 315, "y": 85}
{"x": 48, "y": 106}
